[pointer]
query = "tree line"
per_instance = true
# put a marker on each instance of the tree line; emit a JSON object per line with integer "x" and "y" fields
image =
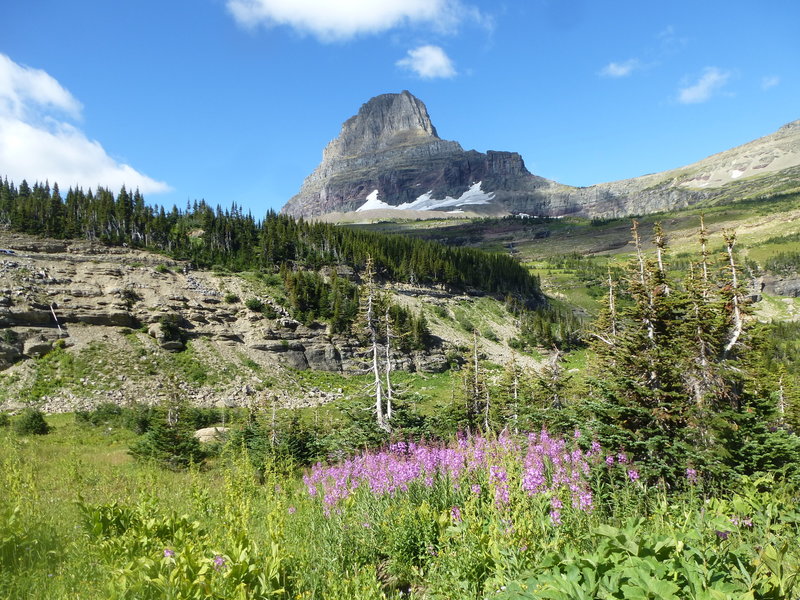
{"x": 235, "y": 240}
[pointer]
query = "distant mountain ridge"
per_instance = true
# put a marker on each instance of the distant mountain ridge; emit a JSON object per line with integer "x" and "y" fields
{"x": 389, "y": 157}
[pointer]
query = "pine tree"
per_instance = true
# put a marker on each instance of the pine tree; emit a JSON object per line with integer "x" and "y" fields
{"x": 676, "y": 381}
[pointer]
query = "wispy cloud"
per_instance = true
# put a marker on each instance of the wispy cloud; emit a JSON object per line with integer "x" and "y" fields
{"x": 428, "y": 62}
{"x": 770, "y": 81}
{"x": 665, "y": 43}
{"x": 711, "y": 81}
{"x": 23, "y": 89}
{"x": 621, "y": 69}
{"x": 343, "y": 19}
{"x": 670, "y": 41}
{"x": 38, "y": 144}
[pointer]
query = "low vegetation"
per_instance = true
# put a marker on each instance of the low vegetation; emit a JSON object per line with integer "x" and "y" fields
{"x": 535, "y": 516}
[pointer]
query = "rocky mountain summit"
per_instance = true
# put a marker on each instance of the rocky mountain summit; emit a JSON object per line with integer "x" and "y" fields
{"x": 389, "y": 157}
{"x": 392, "y": 146}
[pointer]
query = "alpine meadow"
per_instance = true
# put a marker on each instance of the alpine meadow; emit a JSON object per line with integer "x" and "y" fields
{"x": 233, "y": 367}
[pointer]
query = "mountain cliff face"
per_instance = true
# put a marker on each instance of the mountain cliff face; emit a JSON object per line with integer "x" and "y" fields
{"x": 391, "y": 146}
{"x": 389, "y": 156}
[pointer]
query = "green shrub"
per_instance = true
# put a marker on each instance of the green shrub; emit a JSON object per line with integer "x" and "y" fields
{"x": 106, "y": 413}
{"x": 465, "y": 323}
{"x": 254, "y": 304}
{"x": 231, "y": 298}
{"x": 31, "y": 422}
{"x": 130, "y": 297}
{"x": 162, "y": 269}
{"x": 171, "y": 446}
{"x": 171, "y": 327}
{"x": 5, "y": 420}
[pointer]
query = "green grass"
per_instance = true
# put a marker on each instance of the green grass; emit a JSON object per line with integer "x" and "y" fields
{"x": 79, "y": 519}
{"x": 536, "y": 239}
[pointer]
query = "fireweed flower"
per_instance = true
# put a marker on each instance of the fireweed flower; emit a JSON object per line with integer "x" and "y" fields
{"x": 633, "y": 474}
{"x": 540, "y": 464}
{"x": 168, "y": 553}
{"x": 219, "y": 562}
{"x": 555, "y": 517}
{"x": 455, "y": 514}
{"x": 691, "y": 476}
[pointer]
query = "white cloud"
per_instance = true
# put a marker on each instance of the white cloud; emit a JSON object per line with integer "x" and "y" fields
{"x": 36, "y": 144}
{"x": 622, "y": 69}
{"x": 428, "y": 62}
{"x": 23, "y": 88}
{"x": 332, "y": 20}
{"x": 712, "y": 80}
{"x": 770, "y": 82}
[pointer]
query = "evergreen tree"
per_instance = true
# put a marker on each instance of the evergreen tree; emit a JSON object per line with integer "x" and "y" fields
{"x": 675, "y": 379}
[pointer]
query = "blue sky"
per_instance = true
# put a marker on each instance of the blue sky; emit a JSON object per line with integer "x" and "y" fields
{"x": 234, "y": 100}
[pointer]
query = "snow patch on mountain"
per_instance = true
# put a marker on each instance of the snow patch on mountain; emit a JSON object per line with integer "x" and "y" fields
{"x": 474, "y": 195}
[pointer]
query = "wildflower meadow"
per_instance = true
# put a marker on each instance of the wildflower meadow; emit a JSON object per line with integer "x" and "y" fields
{"x": 509, "y": 516}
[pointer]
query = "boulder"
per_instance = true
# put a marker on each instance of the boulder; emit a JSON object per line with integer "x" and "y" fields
{"x": 295, "y": 359}
{"x": 173, "y": 345}
{"x": 9, "y": 354}
{"x": 212, "y": 434}
{"x": 324, "y": 357}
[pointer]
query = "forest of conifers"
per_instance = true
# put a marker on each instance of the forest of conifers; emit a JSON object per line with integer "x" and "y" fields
{"x": 231, "y": 239}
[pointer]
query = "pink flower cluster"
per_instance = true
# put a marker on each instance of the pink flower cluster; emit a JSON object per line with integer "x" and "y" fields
{"x": 535, "y": 465}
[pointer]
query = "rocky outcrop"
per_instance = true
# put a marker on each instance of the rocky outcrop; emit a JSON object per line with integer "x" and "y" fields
{"x": 782, "y": 285}
{"x": 47, "y": 298}
{"x": 392, "y": 147}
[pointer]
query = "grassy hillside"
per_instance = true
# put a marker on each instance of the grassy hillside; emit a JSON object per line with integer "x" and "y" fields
{"x": 571, "y": 255}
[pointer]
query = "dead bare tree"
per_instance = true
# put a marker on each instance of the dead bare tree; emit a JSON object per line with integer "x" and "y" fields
{"x": 372, "y": 329}
{"x": 736, "y": 310}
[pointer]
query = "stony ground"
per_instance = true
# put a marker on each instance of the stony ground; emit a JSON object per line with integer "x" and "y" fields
{"x": 93, "y": 312}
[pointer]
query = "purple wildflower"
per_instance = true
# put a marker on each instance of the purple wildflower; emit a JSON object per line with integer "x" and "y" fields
{"x": 691, "y": 476}
{"x": 476, "y": 489}
{"x": 723, "y": 535}
{"x": 455, "y": 514}
{"x": 610, "y": 460}
{"x": 291, "y": 510}
{"x": 168, "y": 553}
{"x": 633, "y": 474}
{"x": 219, "y": 562}
{"x": 555, "y": 517}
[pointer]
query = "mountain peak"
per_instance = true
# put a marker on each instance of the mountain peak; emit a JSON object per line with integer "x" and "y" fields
{"x": 383, "y": 122}
{"x": 790, "y": 127}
